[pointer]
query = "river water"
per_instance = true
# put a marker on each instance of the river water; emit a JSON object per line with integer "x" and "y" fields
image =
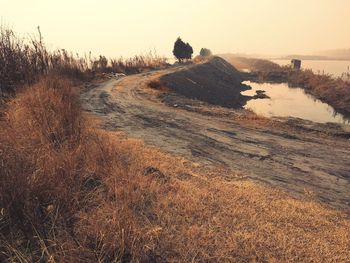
{"x": 337, "y": 68}
{"x": 285, "y": 101}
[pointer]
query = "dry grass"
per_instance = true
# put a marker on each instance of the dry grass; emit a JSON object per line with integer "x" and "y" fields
{"x": 336, "y": 92}
{"x": 157, "y": 84}
{"x": 138, "y": 63}
{"x": 72, "y": 193}
{"x": 251, "y": 64}
{"x": 249, "y": 118}
{"x": 25, "y": 61}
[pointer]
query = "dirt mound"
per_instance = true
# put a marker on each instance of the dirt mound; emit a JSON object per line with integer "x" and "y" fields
{"x": 216, "y": 82}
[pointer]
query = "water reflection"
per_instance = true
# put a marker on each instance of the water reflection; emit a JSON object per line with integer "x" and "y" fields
{"x": 285, "y": 101}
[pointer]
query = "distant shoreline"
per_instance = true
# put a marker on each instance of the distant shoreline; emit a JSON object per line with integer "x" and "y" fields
{"x": 310, "y": 58}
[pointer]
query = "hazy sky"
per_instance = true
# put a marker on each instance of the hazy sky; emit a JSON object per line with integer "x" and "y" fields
{"x": 129, "y": 27}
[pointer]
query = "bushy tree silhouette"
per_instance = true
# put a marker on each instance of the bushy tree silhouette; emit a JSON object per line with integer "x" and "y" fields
{"x": 205, "y": 52}
{"x": 182, "y": 50}
{"x": 189, "y": 51}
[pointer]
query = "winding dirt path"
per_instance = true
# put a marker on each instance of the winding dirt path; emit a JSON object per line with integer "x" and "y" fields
{"x": 296, "y": 160}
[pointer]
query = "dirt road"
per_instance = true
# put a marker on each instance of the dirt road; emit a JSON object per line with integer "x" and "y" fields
{"x": 295, "y": 159}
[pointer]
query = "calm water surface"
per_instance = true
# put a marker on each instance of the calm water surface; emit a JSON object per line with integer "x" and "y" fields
{"x": 294, "y": 102}
{"x": 333, "y": 67}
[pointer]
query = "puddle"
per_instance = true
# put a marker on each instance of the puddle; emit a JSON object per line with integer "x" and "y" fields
{"x": 290, "y": 102}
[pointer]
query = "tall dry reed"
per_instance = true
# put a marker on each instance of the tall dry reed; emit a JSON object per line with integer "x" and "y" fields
{"x": 24, "y": 61}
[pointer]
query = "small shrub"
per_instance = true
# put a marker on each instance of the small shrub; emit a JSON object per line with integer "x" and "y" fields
{"x": 157, "y": 84}
{"x": 205, "y": 52}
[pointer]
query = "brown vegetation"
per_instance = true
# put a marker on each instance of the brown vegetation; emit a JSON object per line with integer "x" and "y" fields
{"x": 137, "y": 64}
{"x": 24, "y": 62}
{"x": 334, "y": 91}
{"x": 157, "y": 84}
{"x": 251, "y": 64}
{"x": 72, "y": 193}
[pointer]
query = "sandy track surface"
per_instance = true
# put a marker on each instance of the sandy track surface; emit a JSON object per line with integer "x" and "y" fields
{"x": 297, "y": 160}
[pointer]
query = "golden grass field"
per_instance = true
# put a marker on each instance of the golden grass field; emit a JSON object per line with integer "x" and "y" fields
{"x": 71, "y": 192}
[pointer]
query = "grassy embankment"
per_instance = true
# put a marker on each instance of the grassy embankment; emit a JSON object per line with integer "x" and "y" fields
{"x": 333, "y": 91}
{"x": 70, "y": 192}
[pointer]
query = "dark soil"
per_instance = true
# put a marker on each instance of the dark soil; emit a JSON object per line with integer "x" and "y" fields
{"x": 216, "y": 82}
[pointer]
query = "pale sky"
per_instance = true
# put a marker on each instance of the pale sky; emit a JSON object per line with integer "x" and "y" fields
{"x": 125, "y": 28}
